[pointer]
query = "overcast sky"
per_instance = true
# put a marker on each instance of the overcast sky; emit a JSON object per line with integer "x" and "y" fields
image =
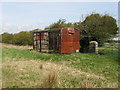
{"x": 25, "y": 16}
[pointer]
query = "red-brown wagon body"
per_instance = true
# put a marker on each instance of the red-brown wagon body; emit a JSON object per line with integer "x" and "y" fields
{"x": 61, "y": 40}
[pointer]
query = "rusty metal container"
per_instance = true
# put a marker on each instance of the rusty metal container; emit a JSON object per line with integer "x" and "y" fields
{"x": 60, "y": 40}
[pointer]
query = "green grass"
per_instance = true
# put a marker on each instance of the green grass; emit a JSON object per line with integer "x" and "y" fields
{"x": 105, "y": 65}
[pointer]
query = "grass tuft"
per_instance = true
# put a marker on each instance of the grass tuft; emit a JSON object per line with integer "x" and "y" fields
{"x": 41, "y": 66}
{"x": 87, "y": 84}
{"x": 51, "y": 81}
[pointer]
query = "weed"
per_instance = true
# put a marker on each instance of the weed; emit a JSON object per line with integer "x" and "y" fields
{"x": 41, "y": 66}
{"x": 51, "y": 81}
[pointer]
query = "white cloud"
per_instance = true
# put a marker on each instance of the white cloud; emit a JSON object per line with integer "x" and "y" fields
{"x": 25, "y": 27}
{"x": 40, "y": 24}
{"x": 10, "y": 28}
{"x": 6, "y": 27}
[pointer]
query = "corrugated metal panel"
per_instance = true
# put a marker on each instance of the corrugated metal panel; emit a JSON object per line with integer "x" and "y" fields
{"x": 70, "y": 41}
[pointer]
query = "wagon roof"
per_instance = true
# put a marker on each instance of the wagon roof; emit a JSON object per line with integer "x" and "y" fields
{"x": 50, "y": 30}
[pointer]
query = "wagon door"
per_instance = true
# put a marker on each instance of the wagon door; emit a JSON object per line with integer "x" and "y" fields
{"x": 54, "y": 41}
{"x": 67, "y": 41}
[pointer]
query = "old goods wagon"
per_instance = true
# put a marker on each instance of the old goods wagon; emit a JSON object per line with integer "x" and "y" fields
{"x": 60, "y": 40}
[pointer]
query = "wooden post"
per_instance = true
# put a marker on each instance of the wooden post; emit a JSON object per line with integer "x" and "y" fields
{"x": 40, "y": 42}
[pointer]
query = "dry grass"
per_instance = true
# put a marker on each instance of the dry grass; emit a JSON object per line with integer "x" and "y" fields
{"x": 45, "y": 73}
{"x": 87, "y": 84}
{"x": 15, "y": 46}
{"x": 48, "y": 66}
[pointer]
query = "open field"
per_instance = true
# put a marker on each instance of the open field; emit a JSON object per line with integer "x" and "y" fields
{"x": 23, "y": 68}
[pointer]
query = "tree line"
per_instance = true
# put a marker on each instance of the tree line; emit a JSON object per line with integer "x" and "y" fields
{"x": 21, "y": 38}
{"x": 94, "y": 27}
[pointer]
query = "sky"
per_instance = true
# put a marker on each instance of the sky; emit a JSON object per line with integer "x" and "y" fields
{"x": 25, "y": 16}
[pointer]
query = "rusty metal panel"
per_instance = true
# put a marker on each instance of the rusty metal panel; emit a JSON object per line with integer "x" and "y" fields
{"x": 69, "y": 41}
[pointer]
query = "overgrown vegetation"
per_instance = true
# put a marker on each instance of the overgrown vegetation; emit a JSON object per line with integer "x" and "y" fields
{"x": 95, "y": 27}
{"x": 25, "y": 68}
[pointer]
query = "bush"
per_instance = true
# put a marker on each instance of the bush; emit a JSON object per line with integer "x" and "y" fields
{"x": 7, "y": 38}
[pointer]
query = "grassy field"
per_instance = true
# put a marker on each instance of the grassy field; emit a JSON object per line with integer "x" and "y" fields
{"x": 23, "y": 68}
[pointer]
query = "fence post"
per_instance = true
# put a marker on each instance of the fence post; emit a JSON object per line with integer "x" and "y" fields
{"x": 93, "y": 47}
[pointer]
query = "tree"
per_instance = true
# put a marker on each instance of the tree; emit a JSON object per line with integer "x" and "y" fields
{"x": 23, "y": 38}
{"x": 98, "y": 27}
{"x": 7, "y": 38}
{"x": 59, "y": 24}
